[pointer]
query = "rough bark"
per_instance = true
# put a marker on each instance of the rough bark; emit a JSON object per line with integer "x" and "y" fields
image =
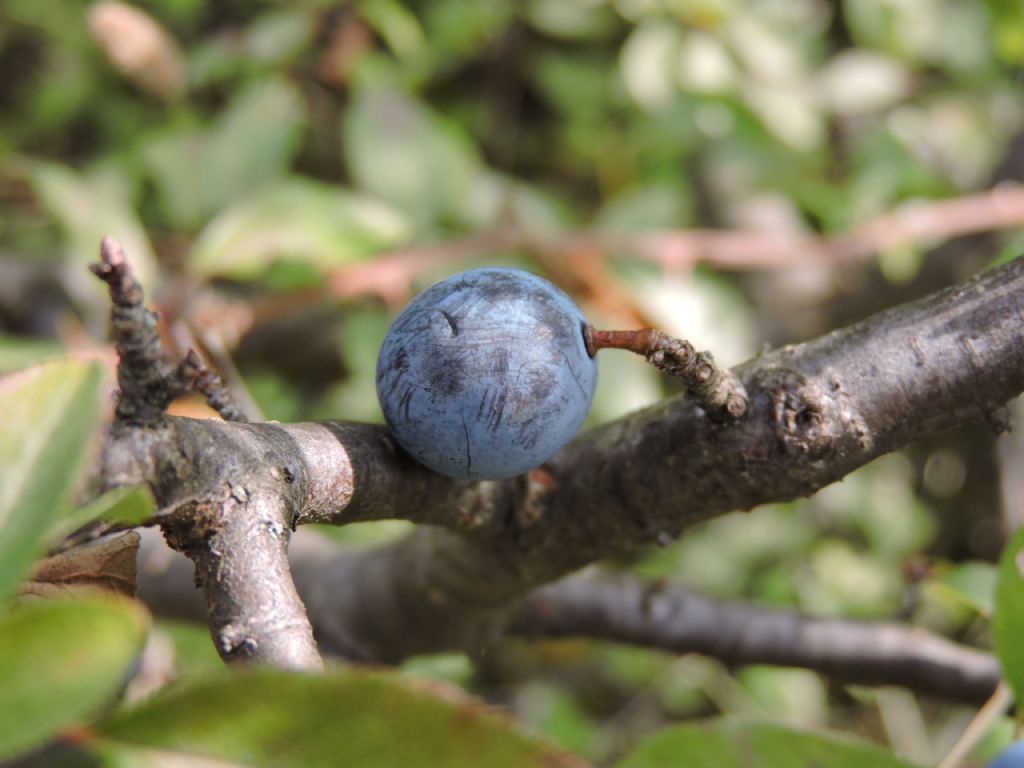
{"x": 817, "y": 411}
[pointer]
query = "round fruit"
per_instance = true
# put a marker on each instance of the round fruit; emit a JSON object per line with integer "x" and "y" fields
{"x": 1011, "y": 757}
{"x": 486, "y": 374}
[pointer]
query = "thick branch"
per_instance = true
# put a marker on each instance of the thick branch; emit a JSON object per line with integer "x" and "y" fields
{"x": 627, "y": 609}
{"x": 816, "y": 412}
{"x": 233, "y": 493}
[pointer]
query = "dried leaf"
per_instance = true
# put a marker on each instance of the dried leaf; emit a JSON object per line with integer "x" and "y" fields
{"x": 108, "y": 564}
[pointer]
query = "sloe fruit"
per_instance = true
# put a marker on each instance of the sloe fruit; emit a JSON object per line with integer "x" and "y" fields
{"x": 1011, "y": 757}
{"x": 486, "y": 374}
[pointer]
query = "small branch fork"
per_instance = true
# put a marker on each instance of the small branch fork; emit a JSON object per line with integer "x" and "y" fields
{"x": 815, "y": 413}
{"x": 719, "y": 392}
{"x": 146, "y": 385}
{"x": 236, "y": 528}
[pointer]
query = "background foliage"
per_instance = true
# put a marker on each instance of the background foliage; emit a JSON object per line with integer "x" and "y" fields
{"x": 268, "y": 167}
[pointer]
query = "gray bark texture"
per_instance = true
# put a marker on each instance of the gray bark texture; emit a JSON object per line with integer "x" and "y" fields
{"x": 816, "y": 411}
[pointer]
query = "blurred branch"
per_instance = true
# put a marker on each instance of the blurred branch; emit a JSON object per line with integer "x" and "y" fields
{"x": 623, "y": 608}
{"x": 627, "y": 609}
{"x": 920, "y": 222}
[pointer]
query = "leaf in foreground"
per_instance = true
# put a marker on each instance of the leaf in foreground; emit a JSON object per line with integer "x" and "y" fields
{"x": 1008, "y": 624}
{"x": 60, "y": 660}
{"x": 736, "y": 744}
{"x": 48, "y": 416}
{"x": 338, "y": 718}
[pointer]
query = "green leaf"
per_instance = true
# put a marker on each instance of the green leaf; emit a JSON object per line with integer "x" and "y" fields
{"x": 17, "y": 352}
{"x": 252, "y": 143}
{"x": 1008, "y": 624}
{"x": 61, "y": 660}
{"x": 275, "y": 718}
{"x": 406, "y": 154}
{"x": 48, "y": 415}
{"x": 734, "y": 744}
{"x": 91, "y": 205}
{"x": 299, "y": 220}
{"x": 122, "y": 505}
{"x": 972, "y": 583}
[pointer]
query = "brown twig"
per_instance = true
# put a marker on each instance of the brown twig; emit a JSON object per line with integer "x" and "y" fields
{"x": 999, "y": 208}
{"x": 193, "y": 375}
{"x": 143, "y": 392}
{"x": 718, "y": 391}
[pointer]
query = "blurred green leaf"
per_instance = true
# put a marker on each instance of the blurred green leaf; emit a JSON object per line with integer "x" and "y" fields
{"x": 278, "y": 399}
{"x": 453, "y": 668}
{"x": 60, "y": 661}
{"x": 195, "y": 656}
{"x": 1007, "y": 20}
{"x": 849, "y": 582}
{"x": 48, "y": 414}
{"x": 732, "y": 744}
{"x": 122, "y": 505}
{"x": 361, "y": 335}
{"x": 973, "y": 583}
{"x": 277, "y": 37}
{"x": 199, "y": 173}
{"x": 406, "y": 154}
{"x": 797, "y": 697}
{"x": 556, "y": 714}
{"x": 1008, "y": 623}
{"x": 274, "y": 718}
{"x": 646, "y": 207}
{"x": 89, "y": 206}
{"x": 128, "y": 505}
{"x": 299, "y": 220}
{"x": 395, "y": 23}
{"x": 17, "y": 352}
{"x": 572, "y": 19}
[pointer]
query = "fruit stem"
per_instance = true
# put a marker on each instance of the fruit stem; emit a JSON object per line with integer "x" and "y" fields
{"x": 718, "y": 391}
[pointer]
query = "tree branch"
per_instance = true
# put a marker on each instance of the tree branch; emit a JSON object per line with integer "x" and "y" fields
{"x": 627, "y": 609}
{"x": 235, "y": 517}
{"x": 816, "y": 412}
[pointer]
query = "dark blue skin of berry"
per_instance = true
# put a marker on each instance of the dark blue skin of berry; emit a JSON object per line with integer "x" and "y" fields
{"x": 1011, "y": 757}
{"x": 486, "y": 375}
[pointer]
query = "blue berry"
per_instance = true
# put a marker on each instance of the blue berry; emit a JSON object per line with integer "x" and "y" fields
{"x": 1011, "y": 757}
{"x": 486, "y": 374}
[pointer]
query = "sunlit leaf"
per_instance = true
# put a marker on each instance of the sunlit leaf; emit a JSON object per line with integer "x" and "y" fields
{"x": 198, "y": 173}
{"x": 60, "y": 661}
{"x": 406, "y": 154}
{"x": 48, "y": 415}
{"x": 972, "y": 583}
{"x": 122, "y": 505}
{"x": 339, "y": 718}
{"x": 89, "y": 206}
{"x": 1008, "y": 624}
{"x": 295, "y": 220}
{"x": 18, "y": 352}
